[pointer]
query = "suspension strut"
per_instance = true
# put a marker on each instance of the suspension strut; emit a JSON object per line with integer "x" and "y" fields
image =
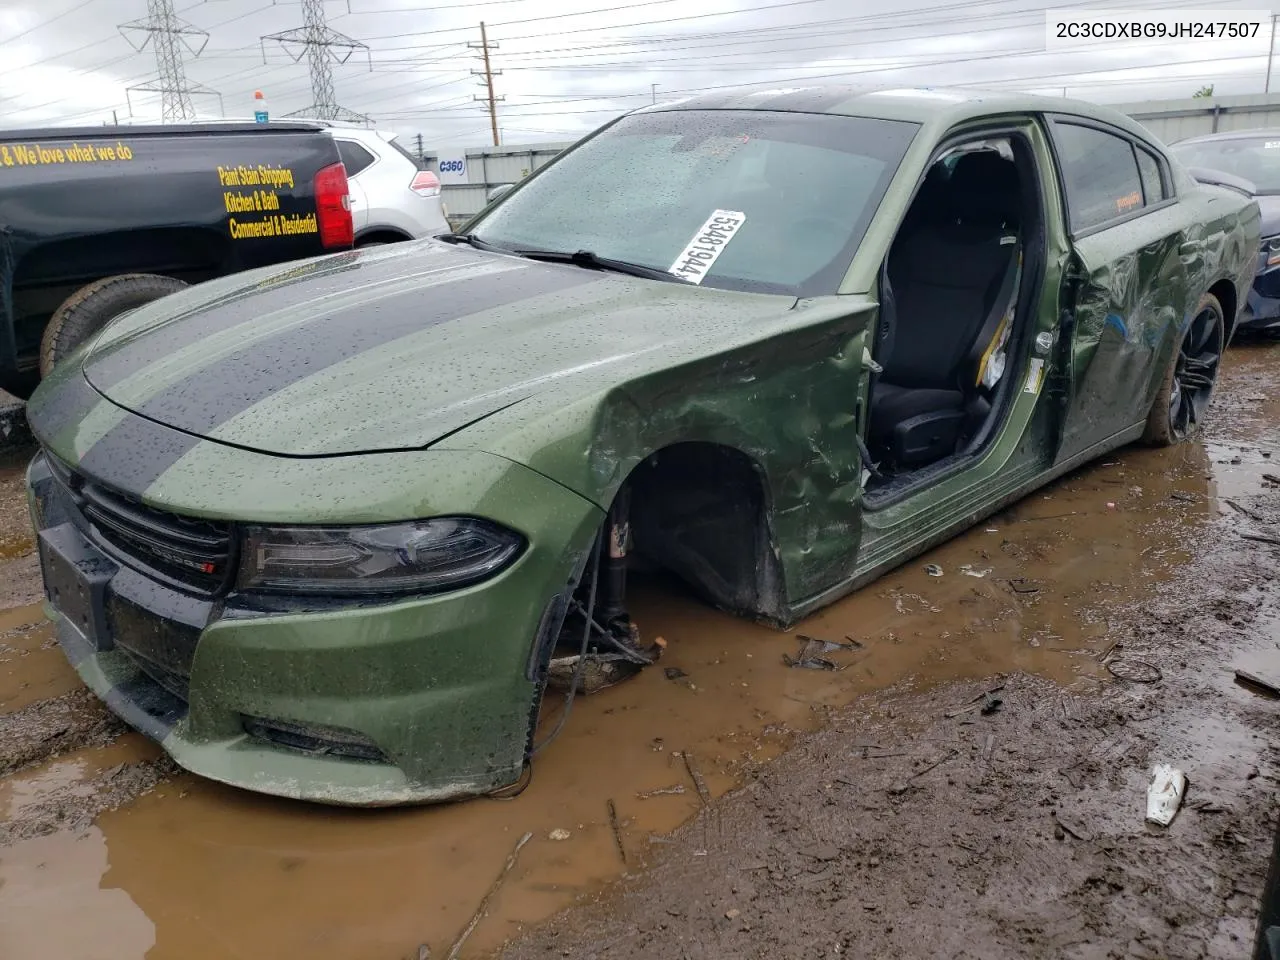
{"x": 613, "y": 567}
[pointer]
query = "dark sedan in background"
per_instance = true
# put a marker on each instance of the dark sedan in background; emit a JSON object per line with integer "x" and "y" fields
{"x": 1252, "y": 156}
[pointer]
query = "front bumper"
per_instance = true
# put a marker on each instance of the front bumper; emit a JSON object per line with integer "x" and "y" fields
{"x": 423, "y": 699}
{"x": 1261, "y": 310}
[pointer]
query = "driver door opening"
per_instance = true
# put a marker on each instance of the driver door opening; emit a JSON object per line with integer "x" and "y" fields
{"x": 957, "y": 294}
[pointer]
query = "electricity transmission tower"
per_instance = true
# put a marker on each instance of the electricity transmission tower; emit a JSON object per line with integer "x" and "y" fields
{"x": 484, "y": 46}
{"x": 323, "y": 47}
{"x": 168, "y": 34}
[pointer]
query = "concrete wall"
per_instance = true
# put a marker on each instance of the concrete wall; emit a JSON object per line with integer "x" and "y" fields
{"x": 1173, "y": 120}
{"x": 488, "y": 167}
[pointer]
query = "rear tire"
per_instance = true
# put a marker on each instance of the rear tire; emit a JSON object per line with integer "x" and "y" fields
{"x": 95, "y": 305}
{"x": 1177, "y": 414}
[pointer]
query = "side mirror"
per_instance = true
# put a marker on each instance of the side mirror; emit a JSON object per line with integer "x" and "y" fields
{"x": 498, "y": 192}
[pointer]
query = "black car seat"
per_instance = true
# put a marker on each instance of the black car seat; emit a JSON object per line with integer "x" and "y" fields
{"x": 952, "y": 274}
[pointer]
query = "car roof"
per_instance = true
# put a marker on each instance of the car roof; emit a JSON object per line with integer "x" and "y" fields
{"x": 925, "y": 105}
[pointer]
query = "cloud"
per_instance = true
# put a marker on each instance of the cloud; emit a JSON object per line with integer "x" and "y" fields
{"x": 567, "y": 66}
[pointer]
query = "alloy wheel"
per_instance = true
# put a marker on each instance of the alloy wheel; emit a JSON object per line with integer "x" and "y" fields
{"x": 1195, "y": 372}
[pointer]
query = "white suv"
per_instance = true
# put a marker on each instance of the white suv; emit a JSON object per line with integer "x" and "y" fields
{"x": 392, "y": 197}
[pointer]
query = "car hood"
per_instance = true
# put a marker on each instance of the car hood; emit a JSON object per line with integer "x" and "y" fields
{"x": 394, "y": 348}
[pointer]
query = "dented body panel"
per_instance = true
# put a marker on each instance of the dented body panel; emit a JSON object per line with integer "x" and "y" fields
{"x": 432, "y": 380}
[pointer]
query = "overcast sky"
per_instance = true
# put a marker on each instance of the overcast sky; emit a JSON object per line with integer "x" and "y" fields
{"x": 567, "y": 68}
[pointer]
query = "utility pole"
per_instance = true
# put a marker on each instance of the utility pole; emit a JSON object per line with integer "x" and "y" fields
{"x": 418, "y": 140}
{"x": 168, "y": 34}
{"x": 1270, "y": 53}
{"x": 653, "y": 88}
{"x": 323, "y": 47}
{"x": 488, "y": 73}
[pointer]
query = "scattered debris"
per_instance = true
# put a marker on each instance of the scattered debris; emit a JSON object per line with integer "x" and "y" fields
{"x": 1208, "y": 805}
{"x": 732, "y": 914}
{"x": 933, "y": 570}
{"x": 1260, "y": 538}
{"x": 903, "y": 787}
{"x": 1271, "y": 478}
{"x": 1164, "y": 794}
{"x": 1075, "y": 831}
{"x": 1022, "y": 585}
{"x": 826, "y": 646}
{"x": 484, "y": 902}
{"x": 560, "y": 833}
{"x": 990, "y": 705}
{"x": 987, "y": 748}
{"x": 1184, "y": 497}
{"x": 809, "y": 658}
{"x": 1244, "y": 511}
{"x": 1135, "y": 671}
{"x": 1251, "y": 680}
{"x": 424, "y": 952}
{"x": 1111, "y": 505}
{"x": 617, "y": 830}
{"x": 699, "y": 784}
{"x": 674, "y": 673}
{"x": 661, "y": 792}
{"x": 968, "y": 571}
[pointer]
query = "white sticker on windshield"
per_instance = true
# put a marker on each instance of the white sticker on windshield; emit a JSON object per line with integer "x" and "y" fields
{"x": 695, "y": 261}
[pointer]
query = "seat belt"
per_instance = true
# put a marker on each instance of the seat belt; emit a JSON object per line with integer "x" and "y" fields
{"x": 986, "y": 357}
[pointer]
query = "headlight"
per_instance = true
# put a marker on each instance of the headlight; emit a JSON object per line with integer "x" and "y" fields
{"x": 1271, "y": 248}
{"x": 417, "y": 557}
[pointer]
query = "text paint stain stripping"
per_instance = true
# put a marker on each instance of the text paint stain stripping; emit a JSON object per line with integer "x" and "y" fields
{"x": 695, "y": 260}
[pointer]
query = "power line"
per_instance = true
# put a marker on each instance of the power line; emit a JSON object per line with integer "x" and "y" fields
{"x": 321, "y": 44}
{"x": 488, "y": 73}
{"x": 168, "y": 34}
{"x": 44, "y": 23}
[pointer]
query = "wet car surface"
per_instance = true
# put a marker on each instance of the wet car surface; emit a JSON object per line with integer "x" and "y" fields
{"x": 327, "y": 532}
{"x": 105, "y": 843}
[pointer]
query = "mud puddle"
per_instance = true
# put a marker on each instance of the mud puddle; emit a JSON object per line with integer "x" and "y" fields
{"x": 222, "y": 873}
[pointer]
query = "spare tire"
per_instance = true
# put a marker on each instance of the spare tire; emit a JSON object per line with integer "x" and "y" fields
{"x": 95, "y": 305}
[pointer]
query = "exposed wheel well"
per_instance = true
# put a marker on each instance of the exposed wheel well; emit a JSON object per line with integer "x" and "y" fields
{"x": 1225, "y": 291}
{"x": 382, "y": 235}
{"x": 699, "y": 510}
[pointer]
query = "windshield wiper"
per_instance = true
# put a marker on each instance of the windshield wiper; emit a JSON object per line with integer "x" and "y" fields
{"x": 585, "y": 258}
{"x": 472, "y": 240}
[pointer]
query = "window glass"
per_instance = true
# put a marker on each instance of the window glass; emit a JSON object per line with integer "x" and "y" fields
{"x": 354, "y": 157}
{"x": 1152, "y": 184}
{"x": 1255, "y": 158}
{"x": 795, "y": 191}
{"x": 1100, "y": 173}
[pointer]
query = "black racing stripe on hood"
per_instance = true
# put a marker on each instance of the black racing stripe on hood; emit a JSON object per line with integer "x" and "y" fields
{"x": 229, "y": 387}
{"x": 116, "y": 362}
{"x": 68, "y": 403}
{"x": 132, "y": 455}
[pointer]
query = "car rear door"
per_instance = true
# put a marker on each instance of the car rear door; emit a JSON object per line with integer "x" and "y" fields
{"x": 356, "y": 158}
{"x": 1125, "y": 285}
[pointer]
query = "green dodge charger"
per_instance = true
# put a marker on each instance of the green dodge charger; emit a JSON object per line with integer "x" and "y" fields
{"x": 325, "y": 530}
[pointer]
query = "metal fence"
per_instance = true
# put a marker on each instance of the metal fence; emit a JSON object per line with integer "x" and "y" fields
{"x": 467, "y": 175}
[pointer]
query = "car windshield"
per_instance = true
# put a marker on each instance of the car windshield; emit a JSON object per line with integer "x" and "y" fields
{"x": 1256, "y": 159}
{"x": 741, "y": 200}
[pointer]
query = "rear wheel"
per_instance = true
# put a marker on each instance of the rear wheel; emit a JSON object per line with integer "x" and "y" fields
{"x": 95, "y": 305}
{"x": 1183, "y": 400}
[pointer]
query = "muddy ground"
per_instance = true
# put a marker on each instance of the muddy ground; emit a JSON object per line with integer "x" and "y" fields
{"x": 745, "y": 808}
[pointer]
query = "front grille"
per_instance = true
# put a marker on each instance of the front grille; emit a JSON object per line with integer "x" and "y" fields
{"x": 183, "y": 551}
